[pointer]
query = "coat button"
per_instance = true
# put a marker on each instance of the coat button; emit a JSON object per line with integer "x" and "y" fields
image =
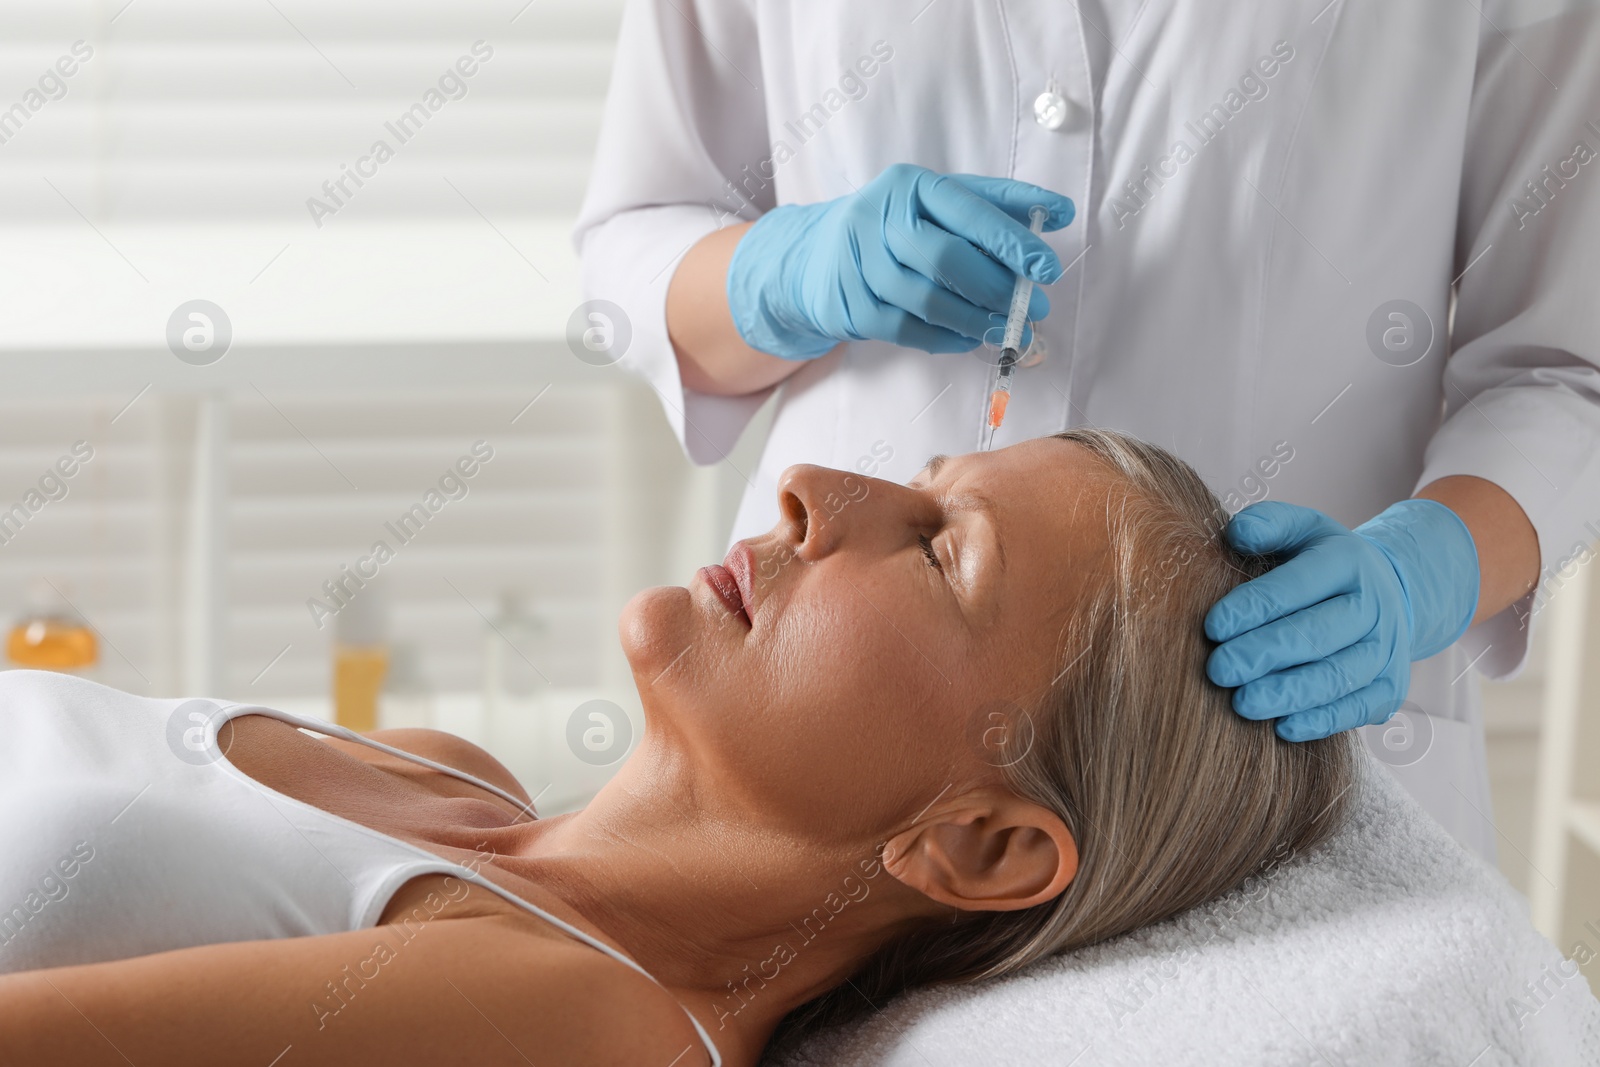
{"x": 1051, "y": 109}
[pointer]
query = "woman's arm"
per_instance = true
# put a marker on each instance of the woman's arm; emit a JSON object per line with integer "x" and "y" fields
{"x": 676, "y": 101}
{"x": 712, "y": 357}
{"x": 1508, "y": 547}
{"x": 475, "y": 990}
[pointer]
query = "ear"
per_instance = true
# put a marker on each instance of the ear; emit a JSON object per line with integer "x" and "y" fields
{"x": 986, "y": 850}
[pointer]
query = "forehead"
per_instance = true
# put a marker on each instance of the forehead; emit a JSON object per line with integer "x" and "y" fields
{"x": 1051, "y": 489}
{"x": 1049, "y": 466}
{"x": 1052, "y": 500}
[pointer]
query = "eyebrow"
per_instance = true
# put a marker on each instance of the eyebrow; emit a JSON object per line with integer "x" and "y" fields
{"x": 936, "y": 463}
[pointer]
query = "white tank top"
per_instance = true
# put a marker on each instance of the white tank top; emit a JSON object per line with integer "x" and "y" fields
{"x": 128, "y": 832}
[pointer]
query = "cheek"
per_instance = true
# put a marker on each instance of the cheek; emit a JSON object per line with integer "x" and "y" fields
{"x": 853, "y": 696}
{"x": 850, "y": 641}
{"x": 814, "y": 660}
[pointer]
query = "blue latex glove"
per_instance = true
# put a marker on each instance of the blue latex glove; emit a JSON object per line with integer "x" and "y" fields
{"x": 1324, "y": 641}
{"x": 903, "y": 261}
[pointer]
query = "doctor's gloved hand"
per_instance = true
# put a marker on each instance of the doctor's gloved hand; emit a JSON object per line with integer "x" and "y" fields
{"x": 902, "y": 260}
{"x": 1324, "y": 641}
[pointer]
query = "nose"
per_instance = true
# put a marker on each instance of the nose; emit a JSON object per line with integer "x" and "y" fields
{"x": 814, "y": 505}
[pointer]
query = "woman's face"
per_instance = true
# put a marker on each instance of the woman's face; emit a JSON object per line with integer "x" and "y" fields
{"x": 881, "y": 626}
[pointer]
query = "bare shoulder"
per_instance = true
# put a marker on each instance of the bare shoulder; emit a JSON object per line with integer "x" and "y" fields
{"x": 448, "y": 749}
{"x": 581, "y": 1005}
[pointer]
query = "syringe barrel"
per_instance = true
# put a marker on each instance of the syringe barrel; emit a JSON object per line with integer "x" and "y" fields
{"x": 1022, "y": 292}
{"x": 1017, "y": 318}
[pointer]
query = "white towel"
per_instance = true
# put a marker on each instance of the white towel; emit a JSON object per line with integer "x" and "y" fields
{"x": 1390, "y": 944}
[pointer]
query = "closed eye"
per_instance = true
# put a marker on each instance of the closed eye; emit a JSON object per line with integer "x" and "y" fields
{"x": 927, "y": 550}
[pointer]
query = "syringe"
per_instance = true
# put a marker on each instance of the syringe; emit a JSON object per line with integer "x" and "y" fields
{"x": 999, "y": 390}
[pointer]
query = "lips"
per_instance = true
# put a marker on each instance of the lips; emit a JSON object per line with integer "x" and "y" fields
{"x": 741, "y": 563}
{"x": 730, "y": 580}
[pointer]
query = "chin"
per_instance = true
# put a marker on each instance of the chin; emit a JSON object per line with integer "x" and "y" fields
{"x": 655, "y": 626}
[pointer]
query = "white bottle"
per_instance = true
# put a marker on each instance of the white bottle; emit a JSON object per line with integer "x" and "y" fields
{"x": 515, "y": 669}
{"x": 407, "y": 700}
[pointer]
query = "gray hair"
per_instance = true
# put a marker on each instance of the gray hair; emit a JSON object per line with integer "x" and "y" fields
{"x": 1172, "y": 798}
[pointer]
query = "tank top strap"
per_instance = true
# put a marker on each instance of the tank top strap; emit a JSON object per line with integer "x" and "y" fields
{"x": 344, "y": 734}
{"x": 464, "y": 873}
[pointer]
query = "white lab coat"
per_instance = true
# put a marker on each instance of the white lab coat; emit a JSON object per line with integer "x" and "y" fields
{"x": 1220, "y": 298}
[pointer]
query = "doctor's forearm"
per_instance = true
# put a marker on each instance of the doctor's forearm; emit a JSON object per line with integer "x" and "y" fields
{"x": 1508, "y": 548}
{"x": 712, "y": 357}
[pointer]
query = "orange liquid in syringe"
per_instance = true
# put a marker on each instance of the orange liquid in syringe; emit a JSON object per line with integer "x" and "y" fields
{"x": 997, "y": 408}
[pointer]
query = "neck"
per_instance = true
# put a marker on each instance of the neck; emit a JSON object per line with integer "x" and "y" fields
{"x": 743, "y": 924}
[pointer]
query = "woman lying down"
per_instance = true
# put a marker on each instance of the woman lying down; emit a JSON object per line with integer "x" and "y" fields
{"x": 916, "y": 734}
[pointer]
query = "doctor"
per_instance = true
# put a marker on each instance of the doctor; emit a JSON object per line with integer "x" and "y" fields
{"x": 1339, "y": 254}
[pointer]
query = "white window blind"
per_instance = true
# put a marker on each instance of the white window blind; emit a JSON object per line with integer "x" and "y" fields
{"x": 242, "y": 109}
{"x": 315, "y": 481}
{"x": 312, "y": 482}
